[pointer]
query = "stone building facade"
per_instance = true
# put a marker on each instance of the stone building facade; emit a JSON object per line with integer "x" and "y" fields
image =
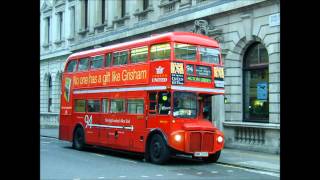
{"x": 248, "y": 30}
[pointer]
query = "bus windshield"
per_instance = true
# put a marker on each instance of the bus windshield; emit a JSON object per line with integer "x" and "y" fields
{"x": 185, "y": 104}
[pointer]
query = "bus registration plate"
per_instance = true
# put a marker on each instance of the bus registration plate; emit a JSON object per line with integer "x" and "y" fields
{"x": 201, "y": 154}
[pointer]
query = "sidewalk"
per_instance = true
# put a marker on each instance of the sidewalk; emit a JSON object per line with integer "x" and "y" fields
{"x": 234, "y": 157}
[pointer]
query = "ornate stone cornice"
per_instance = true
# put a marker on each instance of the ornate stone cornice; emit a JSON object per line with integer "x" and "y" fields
{"x": 202, "y": 27}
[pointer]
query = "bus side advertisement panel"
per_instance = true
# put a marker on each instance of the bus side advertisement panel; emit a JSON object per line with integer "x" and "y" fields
{"x": 117, "y": 76}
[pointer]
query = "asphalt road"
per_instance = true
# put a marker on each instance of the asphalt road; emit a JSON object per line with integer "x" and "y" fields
{"x": 59, "y": 161}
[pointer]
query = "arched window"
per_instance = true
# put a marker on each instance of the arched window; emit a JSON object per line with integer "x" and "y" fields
{"x": 256, "y": 84}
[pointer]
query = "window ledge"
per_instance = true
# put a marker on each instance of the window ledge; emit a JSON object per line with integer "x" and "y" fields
{"x": 168, "y": 3}
{"x": 100, "y": 26}
{"x": 70, "y": 38}
{"x": 144, "y": 12}
{"x": 46, "y": 45}
{"x": 49, "y": 113}
{"x": 59, "y": 41}
{"x": 254, "y": 125}
{"x": 119, "y": 20}
{"x": 83, "y": 31}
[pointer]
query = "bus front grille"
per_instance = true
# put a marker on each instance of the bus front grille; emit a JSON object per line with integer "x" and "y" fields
{"x": 201, "y": 141}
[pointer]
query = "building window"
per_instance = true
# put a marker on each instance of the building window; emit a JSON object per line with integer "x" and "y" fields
{"x": 103, "y": 11}
{"x": 123, "y": 8}
{"x": 72, "y": 22}
{"x": 49, "y": 93}
{"x": 47, "y": 31}
{"x": 256, "y": 84}
{"x": 86, "y": 14}
{"x": 60, "y": 25}
{"x": 145, "y": 4}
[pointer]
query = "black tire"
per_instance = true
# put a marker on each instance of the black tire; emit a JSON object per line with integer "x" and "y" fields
{"x": 213, "y": 157}
{"x": 159, "y": 152}
{"x": 78, "y": 139}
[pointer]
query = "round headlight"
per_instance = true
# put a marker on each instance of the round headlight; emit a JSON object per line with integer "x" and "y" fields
{"x": 220, "y": 139}
{"x": 177, "y": 137}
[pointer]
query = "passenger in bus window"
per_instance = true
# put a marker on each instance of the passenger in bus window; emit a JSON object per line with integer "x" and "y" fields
{"x": 164, "y": 103}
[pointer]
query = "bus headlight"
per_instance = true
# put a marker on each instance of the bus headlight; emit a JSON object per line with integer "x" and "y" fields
{"x": 220, "y": 139}
{"x": 177, "y": 137}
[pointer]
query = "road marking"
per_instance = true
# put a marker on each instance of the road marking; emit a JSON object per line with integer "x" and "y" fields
{"x": 214, "y": 171}
{"x": 179, "y": 174}
{"x": 76, "y": 178}
{"x": 159, "y": 175}
{"x": 99, "y": 155}
{"x": 199, "y": 172}
{"x": 254, "y": 171}
{"x": 145, "y": 176}
{"x": 100, "y": 177}
{"x": 128, "y": 161}
{"x": 45, "y": 142}
{"x": 122, "y": 176}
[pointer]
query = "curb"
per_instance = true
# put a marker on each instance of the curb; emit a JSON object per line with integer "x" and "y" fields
{"x": 249, "y": 167}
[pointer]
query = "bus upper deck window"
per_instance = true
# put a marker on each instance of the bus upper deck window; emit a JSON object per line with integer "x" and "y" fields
{"x": 120, "y": 58}
{"x": 97, "y": 62}
{"x": 185, "y": 51}
{"x": 83, "y": 64}
{"x": 209, "y": 55}
{"x": 139, "y": 54}
{"x": 72, "y": 66}
{"x": 160, "y": 51}
{"x": 108, "y": 60}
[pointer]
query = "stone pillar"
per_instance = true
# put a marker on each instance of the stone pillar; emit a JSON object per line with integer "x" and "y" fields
{"x": 98, "y": 12}
{"x": 91, "y": 16}
{"x": 111, "y": 11}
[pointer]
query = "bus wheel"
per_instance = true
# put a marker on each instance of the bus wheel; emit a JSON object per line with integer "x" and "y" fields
{"x": 78, "y": 139}
{"x": 213, "y": 157}
{"x": 158, "y": 149}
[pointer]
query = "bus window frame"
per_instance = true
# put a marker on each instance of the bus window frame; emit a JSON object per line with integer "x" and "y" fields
{"x": 127, "y": 104}
{"x": 147, "y": 58}
{"x": 125, "y": 108}
{"x": 88, "y": 59}
{"x": 87, "y": 105}
{"x": 67, "y": 64}
{"x": 165, "y": 42}
{"x": 219, "y": 56}
{"x": 103, "y": 62}
{"x": 197, "y": 58}
{"x": 108, "y": 100}
{"x": 74, "y": 105}
{"x": 120, "y": 51}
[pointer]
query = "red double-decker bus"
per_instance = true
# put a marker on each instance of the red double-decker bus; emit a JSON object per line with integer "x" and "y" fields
{"x": 149, "y": 96}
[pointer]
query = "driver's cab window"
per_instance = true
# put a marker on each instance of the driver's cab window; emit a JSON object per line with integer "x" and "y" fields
{"x": 164, "y": 102}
